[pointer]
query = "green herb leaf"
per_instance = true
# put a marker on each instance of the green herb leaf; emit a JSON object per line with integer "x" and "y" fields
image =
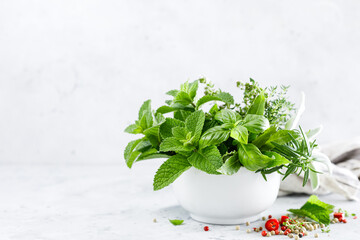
{"x": 207, "y": 159}
{"x": 240, "y": 133}
{"x": 170, "y": 170}
{"x": 315, "y": 209}
{"x": 280, "y": 137}
{"x": 145, "y": 108}
{"x": 134, "y": 149}
{"x": 277, "y": 159}
{"x": 251, "y": 157}
{"x": 176, "y": 222}
{"x": 226, "y": 116}
{"x": 231, "y": 166}
{"x": 255, "y": 123}
{"x": 194, "y": 124}
{"x": 222, "y": 96}
{"x": 174, "y": 144}
{"x": 262, "y": 139}
{"x": 214, "y": 136}
{"x": 166, "y": 127}
{"x": 258, "y": 106}
{"x": 133, "y": 129}
{"x": 183, "y": 98}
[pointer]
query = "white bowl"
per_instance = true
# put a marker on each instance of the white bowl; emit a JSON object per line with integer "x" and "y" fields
{"x": 221, "y": 199}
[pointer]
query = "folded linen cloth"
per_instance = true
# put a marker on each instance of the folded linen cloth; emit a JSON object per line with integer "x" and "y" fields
{"x": 344, "y": 180}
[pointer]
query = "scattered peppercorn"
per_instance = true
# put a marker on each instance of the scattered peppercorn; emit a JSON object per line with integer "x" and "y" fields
{"x": 272, "y": 232}
{"x": 344, "y": 220}
{"x": 263, "y": 233}
{"x": 270, "y": 216}
{"x": 300, "y": 235}
{"x": 260, "y": 228}
{"x": 268, "y": 234}
{"x": 206, "y": 228}
{"x": 237, "y": 228}
{"x": 248, "y": 230}
{"x": 247, "y": 223}
{"x": 316, "y": 235}
{"x": 263, "y": 218}
{"x": 154, "y": 220}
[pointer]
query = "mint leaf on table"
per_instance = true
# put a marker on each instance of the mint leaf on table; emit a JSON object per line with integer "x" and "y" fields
{"x": 194, "y": 123}
{"x": 208, "y": 160}
{"x": 176, "y": 222}
{"x": 315, "y": 209}
{"x": 231, "y": 166}
{"x": 255, "y": 123}
{"x": 170, "y": 170}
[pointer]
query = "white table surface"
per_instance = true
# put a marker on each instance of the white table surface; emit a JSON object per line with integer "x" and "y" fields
{"x": 111, "y": 202}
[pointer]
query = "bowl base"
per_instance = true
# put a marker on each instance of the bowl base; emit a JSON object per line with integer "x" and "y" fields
{"x": 226, "y": 221}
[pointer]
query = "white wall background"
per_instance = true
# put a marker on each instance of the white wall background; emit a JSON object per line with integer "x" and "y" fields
{"x": 74, "y": 73}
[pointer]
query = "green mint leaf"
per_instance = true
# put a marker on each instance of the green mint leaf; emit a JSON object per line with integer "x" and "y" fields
{"x": 194, "y": 123}
{"x": 255, "y": 123}
{"x": 176, "y": 222}
{"x": 133, "y": 129}
{"x": 315, "y": 209}
{"x": 173, "y": 144}
{"x": 153, "y": 133}
{"x": 225, "y": 97}
{"x": 173, "y": 107}
{"x": 240, "y": 133}
{"x": 181, "y": 114}
{"x": 183, "y": 98}
{"x": 227, "y": 116}
{"x": 251, "y": 157}
{"x": 277, "y": 159}
{"x": 166, "y": 127}
{"x": 179, "y": 132}
{"x": 231, "y": 166}
{"x": 134, "y": 149}
{"x": 193, "y": 87}
{"x": 214, "y": 109}
{"x": 170, "y": 170}
{"x": 214, "y": 136}
{"x": 222, "y": 96}
{"x": 258, "y": 106}
{"x": 262, "y": 139}
{"x": 172, "y": 92}
{"x": 207, "y": 160}
{"x": 145, "y": 107}
{"x": 146, "y": 120}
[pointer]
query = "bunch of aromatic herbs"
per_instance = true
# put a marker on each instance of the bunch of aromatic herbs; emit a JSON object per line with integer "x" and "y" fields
{"x": 258, "y": 133}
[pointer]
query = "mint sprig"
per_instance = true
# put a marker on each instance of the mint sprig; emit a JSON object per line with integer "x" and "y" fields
{"x": 315, "y": 209}
{"x": 176, "y": 222}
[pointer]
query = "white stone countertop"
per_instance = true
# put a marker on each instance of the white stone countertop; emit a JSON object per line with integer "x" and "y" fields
{"x": 111, "y": 202}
